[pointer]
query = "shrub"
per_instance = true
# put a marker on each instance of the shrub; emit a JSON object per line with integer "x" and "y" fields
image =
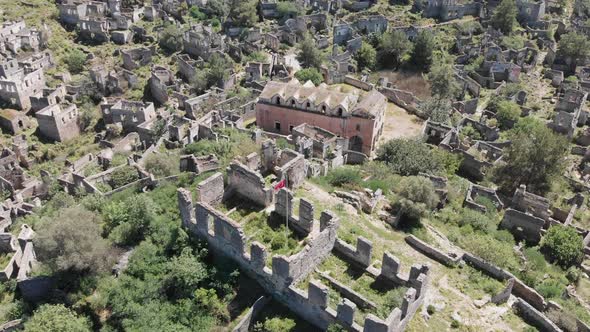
{"x": 564, "y": 245}
{"x": 551, "y": 288}
{"x": 416, "y": 197}
{"x": 310, "y": 74}
{"x": 408, "y": 157}
{"x": 507, "y": 113}
{"x": 75, "y": 61}
{"x": 573, "y": 274}
{"x": 56, "y": 318}
{"x": 344, "y": 176}
{"x": 123, "y": 175}
{"x": 161, "y": 165}
{"x": 430, "y": 309}
{"x": 478, "y": 221}
{"x": 171, "y": 38}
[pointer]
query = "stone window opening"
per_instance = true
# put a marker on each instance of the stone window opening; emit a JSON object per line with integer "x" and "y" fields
{"x": 278, "y": 100}
{"x": 290, "y": 128}
{"x": 358, "y": 127}
{"x": 308, "y": 106}
{"x": 323, "y": 108}
{"x": 211, "y": 225}
{"x": 340, "y": 112}
{"x": 292, "y": 103}
{"x": 277, "y": 126}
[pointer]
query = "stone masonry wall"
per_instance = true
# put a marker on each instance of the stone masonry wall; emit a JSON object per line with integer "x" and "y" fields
{"x": 248, "y": 184}
{"x": 211, "y": 190}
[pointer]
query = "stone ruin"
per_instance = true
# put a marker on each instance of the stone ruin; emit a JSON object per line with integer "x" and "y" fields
{"x": 21, "y": 252}
{"x": 474, "y": 191}
{"x": 59, "y": 122}
{"x": 198, "y": 165}
{"x": 226, "y": 236}
{"x": 570, "y": 112}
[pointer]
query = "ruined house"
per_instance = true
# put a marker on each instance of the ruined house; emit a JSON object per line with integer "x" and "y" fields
{"x": 13, "y": 121}
{"x": 283, "y": 106}
{"x": 59, "y": 122}
{"x": 447, "y": 10}
{"x": 18, "y": 84}
{"x": 130, "y": 114}
{"x": 570, "y": 112}
{"x": 137, "y": 57}
{"x": 201, "y": 41}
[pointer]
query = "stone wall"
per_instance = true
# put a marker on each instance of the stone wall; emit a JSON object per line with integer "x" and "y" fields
{"x": 358, "y": 83}
{"x": 248, "y": 184}
{"x": 360, "y": 255}
{"x": 211, "y": 190}
{"x": 535, "y": 317}
{"x": 523, "y": 225}
{"x": 428, "y": 250}
{"x": 475, "y": 191}
{"x": 291, "y": 165}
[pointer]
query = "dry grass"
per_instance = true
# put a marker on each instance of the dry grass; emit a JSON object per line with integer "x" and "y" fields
{"x": 407, "y": 80}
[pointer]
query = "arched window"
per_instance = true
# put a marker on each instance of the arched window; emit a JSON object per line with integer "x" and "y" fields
{"x": 292, "y": 103}
{"x": 308, "y": 106}
{"x": 324, "y": 108}
{"x": 278, "y": 100}
{"x": 340, "y": 111}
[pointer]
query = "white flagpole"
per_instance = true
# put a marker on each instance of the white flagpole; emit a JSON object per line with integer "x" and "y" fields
{"x": 287, "y": 214}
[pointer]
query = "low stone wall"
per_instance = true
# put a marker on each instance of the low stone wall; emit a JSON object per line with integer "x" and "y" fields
{"x": 432, "y": 252}
{"x": 246, "y": 323}
{"x": 535, "y": 317}
{"x": 361, "y": 255}
{"x": 358, "y": 83}
{"x": 350, "y": 294}
{"x": 486, "y": 267}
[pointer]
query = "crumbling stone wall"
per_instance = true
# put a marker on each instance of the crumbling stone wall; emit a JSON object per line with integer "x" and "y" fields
{"x": 248, "y": 184}
{"x": 361, "y": 255}
{"x": 211, "y": 190}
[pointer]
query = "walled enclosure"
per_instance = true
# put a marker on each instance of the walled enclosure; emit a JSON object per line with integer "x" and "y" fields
{"x": 226, "y": 237}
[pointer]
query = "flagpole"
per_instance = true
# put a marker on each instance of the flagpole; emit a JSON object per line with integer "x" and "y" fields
{"x": 287, "y": 214}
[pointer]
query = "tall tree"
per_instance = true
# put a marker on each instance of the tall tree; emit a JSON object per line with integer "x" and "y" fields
{"x": 534, "y": 158}
{"x": 394, "y": 46}
{"x": 366, "y": 57}
{"x": 574, "y": 46}
{"x": 73, "y": 241}
{"x": 309, "y": 54}
{"x": 504, "y": 17}
{"x": 442, "y": 80}
{"x": 423, "y": 49}
{"x": 243, "y": 12}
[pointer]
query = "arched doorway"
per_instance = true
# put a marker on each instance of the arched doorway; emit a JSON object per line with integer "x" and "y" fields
{"x": 355, "y": 144}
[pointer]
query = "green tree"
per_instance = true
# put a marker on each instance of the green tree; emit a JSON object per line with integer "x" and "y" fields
{"x": 72, "y": 242}
{"x": 423, "y": 49}
{"x": 199, "y": 81}
{"x": 507, "y": 113}
{"x": 56, "y": 318}
{"x": 564, "y": 245}
{"x": 504, "y": 17}
{"x": 195, "y": 12}
{"x": 443, "y": 83}
{"x": 409, "y": 157}
{"x": 436, "y": 109}
{"x": 310, "y": 74}
{"x": 243, "y": 12}
{"x": 170, "y": 38}
{"x": 393, "y": 48}
{"x": 288, "y": 9}
{"x": 89, "y": 116}
{"x": 366, "y": 56}
{"x": 309, "y": 54}
{"x": 128, "y": 221}
{"x": 416, "y": 197}
{"x": 217, "y": 9}
{"x": 574, "y": 46}
{"x": 534, "y": 158}
{"x": 75, "y": 61}
{"x": 218, "y": 65}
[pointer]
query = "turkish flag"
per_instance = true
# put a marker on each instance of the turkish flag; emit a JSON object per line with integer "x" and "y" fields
{"x": 280, "y": 185}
